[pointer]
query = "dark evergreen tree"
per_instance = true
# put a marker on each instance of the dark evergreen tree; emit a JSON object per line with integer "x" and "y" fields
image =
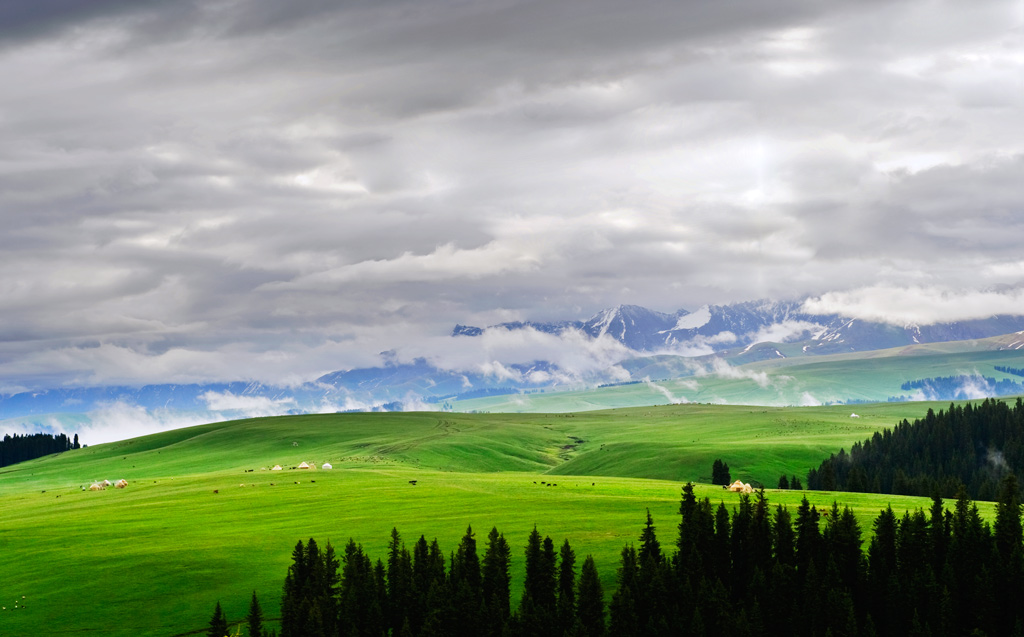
{"x": 566, "y": 603}
{"x": 590, "y": 601}
{"x": 254, "y": 619}
{"x": 218, "y": 623}
{"x": 465, "y": 585}
{"x": 1009, "y": 563}
{"x": 496, "y": 584}
{"x": 537, "y": 608}
{"x": 783, "y": 482}
{"x": 623, "y": 612}
{"x": 400, "y": 598}
{"x": 720, "y": 473}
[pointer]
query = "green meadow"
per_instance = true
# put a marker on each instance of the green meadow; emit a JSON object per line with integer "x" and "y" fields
{"x": 205, "y": 519}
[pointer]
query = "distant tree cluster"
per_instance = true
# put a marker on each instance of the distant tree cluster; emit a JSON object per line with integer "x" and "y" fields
{"x": 219, "y": 626}
{"x": 970, "y": 445}
{"x": 960, "y": 387}
{"x": 720, "y": 473}
{"x": 790, "y": 483}
{"x": 1013, "y": 371}
{"x": 749, "y": 572}
{"x": 19, "y": 448}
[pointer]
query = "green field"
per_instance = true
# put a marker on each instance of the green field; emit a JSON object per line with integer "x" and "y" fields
{"x": 153, "y": 559}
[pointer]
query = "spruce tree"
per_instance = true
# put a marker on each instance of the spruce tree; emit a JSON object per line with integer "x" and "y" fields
{"x": 537, "y": 614}
{"x": 495, "y": 583}
{"x": 590, "y": 600}
{"x": 254, "y": 620}
{"x": 218, "y": 623}
{"x": 1008, "y": 537}
{"x": 465, "y": 585}
{"x": 624, "y": 614}
{"x": 566, "y": 604}
{"x": 400, "y": 583}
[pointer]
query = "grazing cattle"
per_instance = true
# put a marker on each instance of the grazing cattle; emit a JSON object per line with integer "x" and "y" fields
{"x": 412, "y": 482}
{"x": 122, "y": 483}
{"x": 216, "y": 490}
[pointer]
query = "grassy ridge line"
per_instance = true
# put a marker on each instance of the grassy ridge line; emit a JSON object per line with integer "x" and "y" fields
{"x": 676, "y": 442}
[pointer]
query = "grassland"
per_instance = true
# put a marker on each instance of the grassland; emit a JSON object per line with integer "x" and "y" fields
{"x": 203, "y": 520}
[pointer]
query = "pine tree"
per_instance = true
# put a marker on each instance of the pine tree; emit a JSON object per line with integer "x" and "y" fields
{"x": 400, "y": 583}
{"x": 495, "y": 583}
{"x": 566, "y": 604}
{"x": 218, "y": 623}
{"x": 254, "y": 620}
{"x": 623, "y": 611}
{"x": 537, "y": 611}
{"x": 590, "y": 606}
{"x": 1008, "y": 537}
{"x": 465, "y": 585}
{"x": 291, "y": 600}
{"x": 783, "y": 482}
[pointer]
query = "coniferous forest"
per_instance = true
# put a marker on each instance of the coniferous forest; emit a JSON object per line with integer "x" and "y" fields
{"x": 18, "y": 448}
{"x": 754, "y": 570}
{"x": 970, "y": 445}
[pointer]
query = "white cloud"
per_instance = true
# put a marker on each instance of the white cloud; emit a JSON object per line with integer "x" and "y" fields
{"x": 672, "y": 398}
{"x": 243, "y": 213}
{"x": 917, "y": 305}
{"x": 249, "y": 406}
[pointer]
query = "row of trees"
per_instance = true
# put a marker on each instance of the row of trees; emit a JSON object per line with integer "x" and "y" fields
{"x": 753, "y": 570}
{"x": 970, "y": 445}
{"x": 961, "y": 387}
{"x": 422, "y": 593}
{"x": 758, "y": 571}
{"x": 19, "y": 448}
{"x": 1014, "y": 371}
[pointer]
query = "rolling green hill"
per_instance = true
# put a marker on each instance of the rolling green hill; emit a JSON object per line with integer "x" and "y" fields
{"x": 204, "y": 519}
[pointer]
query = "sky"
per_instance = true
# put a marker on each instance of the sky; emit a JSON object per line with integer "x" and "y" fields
{"x": 254, "y": 189}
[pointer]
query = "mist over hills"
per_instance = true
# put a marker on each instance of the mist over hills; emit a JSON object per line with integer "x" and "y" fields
{"x": 624, "y": 344}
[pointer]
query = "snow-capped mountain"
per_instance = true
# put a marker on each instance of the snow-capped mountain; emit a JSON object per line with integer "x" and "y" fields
{"x": 725, "y": 327}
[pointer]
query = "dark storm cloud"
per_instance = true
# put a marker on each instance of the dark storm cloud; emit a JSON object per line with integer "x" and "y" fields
{"x": 236, "y": 189}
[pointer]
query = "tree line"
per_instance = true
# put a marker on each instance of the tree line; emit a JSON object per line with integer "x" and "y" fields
{"x": 1013, "y": 371}
{"x": 753, "y": 570}
{"x": 19, "y": 448}
{"x": 970, "y": 445}
{"x": 959, "y": 387}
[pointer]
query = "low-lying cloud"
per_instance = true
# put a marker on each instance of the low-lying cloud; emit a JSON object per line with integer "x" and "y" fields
{"x": 918, "y": 305}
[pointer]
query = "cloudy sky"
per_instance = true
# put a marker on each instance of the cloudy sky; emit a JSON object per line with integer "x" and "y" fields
{"x": 260, "y": 189}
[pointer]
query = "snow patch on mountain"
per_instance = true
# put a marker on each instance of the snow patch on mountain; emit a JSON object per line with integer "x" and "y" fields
{"x": 692, "y": 321}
